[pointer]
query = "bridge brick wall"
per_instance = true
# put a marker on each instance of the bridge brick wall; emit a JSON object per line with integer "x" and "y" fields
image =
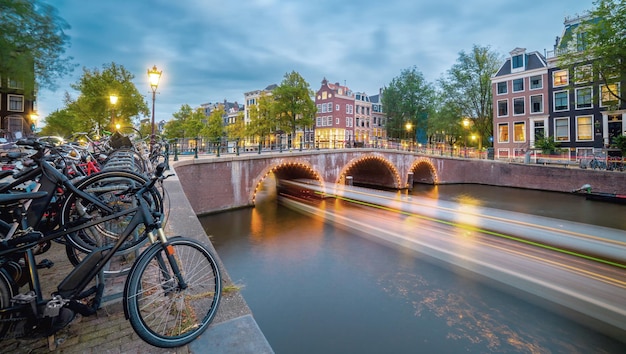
{"x": 215, "y": 184}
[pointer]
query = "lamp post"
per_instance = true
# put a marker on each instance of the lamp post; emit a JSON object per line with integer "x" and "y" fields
{"x": 113, "y": 99}
{"x": 466, "y": 124}
{"x": 409, "y": 126}
{"x": 154, "y": 76}
{"x": 33, "y": 122}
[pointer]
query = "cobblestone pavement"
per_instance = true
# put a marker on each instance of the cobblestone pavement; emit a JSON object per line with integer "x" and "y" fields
{"x": 233, "y": 329}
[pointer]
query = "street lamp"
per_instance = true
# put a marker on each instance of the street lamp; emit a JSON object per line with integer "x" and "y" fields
{"x": 113, "y": 99}
{"x": 33, "y": 122}
{"x": 154, "y": 76}
{"x": 409, "y": 126}
{"x": 466, "y": 124}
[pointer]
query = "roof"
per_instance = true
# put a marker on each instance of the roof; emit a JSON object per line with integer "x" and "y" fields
{"x": 534, "y": 60}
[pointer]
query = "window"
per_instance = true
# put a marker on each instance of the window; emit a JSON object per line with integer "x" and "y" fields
{"x": 518, "y": 85}
{"x": 583, "y": 73}
{"x": 318, "y": 121}
{"x": 323, "y": 107}
{"x": 503, "y": 132}
{"x": 16, "y": 103}
{"x": 561, "y": 102}
{"x": 349, "y": 108}
{"x": 584, "y": 129}
{"x": 517, "y": 61}
{"x": 607, "y": 98}
{"x": 583, "y": 97}
{"x": 536, "y": 82}
{"x": 502, "y": 88}
{"x": 540, "y": 131}
{"x": 518, "y": 106}
{"x": 536, "y": 104}
{"x": 560, "y": 78}
{"x": 561, "y": 129}
{"x": 503, "y": 108}
{"x": 16, "y": 84}
{"x": 519, "y": 132}
{"x": 324, "y": 95}
{"x": 337, "y": 120}
{"x": 329, "y": 107}
{"x": 337, "y": 107}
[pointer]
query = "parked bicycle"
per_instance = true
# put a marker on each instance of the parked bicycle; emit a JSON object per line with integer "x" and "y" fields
{"x": 171, "y": 293}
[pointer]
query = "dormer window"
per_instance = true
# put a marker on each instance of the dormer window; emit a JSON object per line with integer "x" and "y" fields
{"x": 517, "y": 61}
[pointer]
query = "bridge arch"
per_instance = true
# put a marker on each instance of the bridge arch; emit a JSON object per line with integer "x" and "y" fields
{"x": 424, "y": 171}
{"x": 367, "y": 170}
{"x": 286, "y": 170}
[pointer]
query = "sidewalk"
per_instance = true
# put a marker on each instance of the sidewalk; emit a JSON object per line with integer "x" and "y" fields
{"x": 233, "y": 330}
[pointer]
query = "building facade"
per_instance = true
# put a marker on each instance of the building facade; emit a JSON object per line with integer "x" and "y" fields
{"x": 585, "y": 117}
{"x": 520, "y": 103}
{"x": 17, "y": 112}
{"x": 335, "y": 116}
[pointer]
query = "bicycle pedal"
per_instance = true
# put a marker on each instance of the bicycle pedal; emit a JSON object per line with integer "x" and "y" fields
{"x": 45, "y": 263}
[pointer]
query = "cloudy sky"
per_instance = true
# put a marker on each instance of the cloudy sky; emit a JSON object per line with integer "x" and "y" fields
{"x": 211, "y": 50}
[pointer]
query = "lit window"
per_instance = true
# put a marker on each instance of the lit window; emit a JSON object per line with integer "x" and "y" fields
{"x": 561, "y": 129}
{"x": 503, "y": 133}
{"x": 584, "y": 128}
{"x": 519, "y": 132}
{"x": 583, "y": 97}
{"x": 560, "y": 78}
{"x": 561, "y": 102}
{"x": 609, "y": 93}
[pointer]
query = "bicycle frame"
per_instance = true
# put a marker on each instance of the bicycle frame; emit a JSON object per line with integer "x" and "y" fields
{"x": 72, "y": 286}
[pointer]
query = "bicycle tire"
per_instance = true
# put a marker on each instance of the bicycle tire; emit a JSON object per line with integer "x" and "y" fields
{"x": 159, "y": 311}
{"x": 108, "y": 186}
{"x": 6, "y": 293}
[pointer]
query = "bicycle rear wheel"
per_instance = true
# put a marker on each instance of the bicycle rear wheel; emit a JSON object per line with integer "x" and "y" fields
{"x": 6, "y": 293}
{"x": 111, "y": 188}
{"x": 161, "y": 310}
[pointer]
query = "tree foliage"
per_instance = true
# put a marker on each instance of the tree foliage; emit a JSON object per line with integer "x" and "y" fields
{"x": 93, "y": 104}
{"x": 467, "y": 87}
{"x": 601, "y": 39}
{"x": 61, "y": 123}
{"x": 407, "y": 99}
{"x": 214, "y": 129}
{"x": 32, "y": 41}
{"x": 237, "y": 129}
{"x": 187, "y": 123}
{"x": 262, "y": 117}
{"x": 293, "y": 104}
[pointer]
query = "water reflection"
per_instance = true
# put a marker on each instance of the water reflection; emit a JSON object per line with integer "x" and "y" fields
{"x": 317, "y": 287}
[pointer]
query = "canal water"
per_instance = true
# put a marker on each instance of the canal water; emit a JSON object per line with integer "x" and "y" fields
{"x": 315, "y": 287}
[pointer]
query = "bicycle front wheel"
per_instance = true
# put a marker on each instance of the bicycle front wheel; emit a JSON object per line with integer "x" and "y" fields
{"x": 164, "y": 311}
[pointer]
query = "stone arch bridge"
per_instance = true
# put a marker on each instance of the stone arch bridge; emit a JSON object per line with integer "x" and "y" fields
{"x": 215, "y": 184}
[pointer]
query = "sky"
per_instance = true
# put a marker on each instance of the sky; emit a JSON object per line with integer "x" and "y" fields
{"x": 216, "y": 50}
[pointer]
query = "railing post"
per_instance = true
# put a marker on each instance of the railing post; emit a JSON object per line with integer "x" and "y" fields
{"x": 176, "y": 149}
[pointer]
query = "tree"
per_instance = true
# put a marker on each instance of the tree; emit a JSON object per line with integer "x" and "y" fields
{"x": 93, "y": 103}
{"x": 32, "y": 41}
{"x": 236, "y": 130}
{"x": 262, "y": 117}
{"x": 407, "y": 99}
{"x": 602, "y": 40}
{"x": 61, "y": 123}
{"x": 467, "y": 86}
{"x": 293, "y": 104}
{"x": 187, "y": 122}
{"x": 214, "y": 129}
{"x": 444, "y": 124}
